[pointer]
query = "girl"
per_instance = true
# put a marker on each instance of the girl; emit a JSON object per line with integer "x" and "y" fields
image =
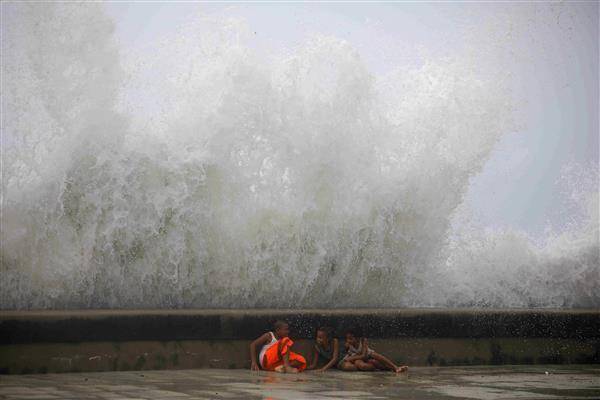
{"x": 327, "y": 349}
{"x": 360, "y": 357}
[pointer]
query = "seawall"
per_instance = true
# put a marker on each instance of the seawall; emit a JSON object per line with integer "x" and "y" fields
{"x": 106, "y": 340}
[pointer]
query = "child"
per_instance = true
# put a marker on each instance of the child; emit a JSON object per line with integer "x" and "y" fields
{"x": 275, "y": 353}
{"x": 327, "y": 349}
{"x": 360, "y": 357}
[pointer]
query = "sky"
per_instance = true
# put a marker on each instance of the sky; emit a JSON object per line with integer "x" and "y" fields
{"x": 555, "y": 51}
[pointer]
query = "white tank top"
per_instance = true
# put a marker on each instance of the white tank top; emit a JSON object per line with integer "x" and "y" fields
{"x": 265, "y": 348}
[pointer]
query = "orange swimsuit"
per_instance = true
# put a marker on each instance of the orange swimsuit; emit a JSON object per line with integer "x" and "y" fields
{"x": 270, "y": 357}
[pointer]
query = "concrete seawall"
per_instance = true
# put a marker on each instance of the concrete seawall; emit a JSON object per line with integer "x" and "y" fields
{"x": 103, "y": 340}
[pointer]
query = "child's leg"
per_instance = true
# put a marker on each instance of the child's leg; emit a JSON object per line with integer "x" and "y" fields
{"x": 277, "y": 358}
{"x": 364, "y": 366}
{"x": 384, "y": 360}
{"x": 297, "y": 361}
{"x": 387, "y": 362}
{"x": 347, "y": 366}
{"x": 287, "y": 365}
{"x": 376, "y": 364}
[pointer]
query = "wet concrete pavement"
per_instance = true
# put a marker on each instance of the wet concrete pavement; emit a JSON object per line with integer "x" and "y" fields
{"x": 505, "y": 382}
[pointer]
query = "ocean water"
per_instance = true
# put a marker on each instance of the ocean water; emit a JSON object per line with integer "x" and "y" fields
{"x": 202, "y": 174}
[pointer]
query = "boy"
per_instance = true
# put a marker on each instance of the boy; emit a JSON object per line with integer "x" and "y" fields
{"x": 275, "y": 353}
{"x": 360, "y": 357}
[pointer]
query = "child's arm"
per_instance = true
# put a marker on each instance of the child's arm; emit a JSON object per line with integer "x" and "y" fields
{"x": 334, "y": 358}
{"x": 262, "y": 340}
{"x": 313, "y": 364}
{"x": 365, "y": 348}
{"x": 363, "y": 352}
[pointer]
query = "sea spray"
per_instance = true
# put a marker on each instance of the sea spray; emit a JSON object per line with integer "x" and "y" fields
{"x": 202, "y": 175}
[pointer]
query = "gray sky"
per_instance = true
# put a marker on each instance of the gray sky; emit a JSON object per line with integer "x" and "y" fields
{"x": 555, "y": 51}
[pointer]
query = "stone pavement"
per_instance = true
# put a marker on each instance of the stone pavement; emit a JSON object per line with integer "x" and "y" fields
{"x": 505, "y": 382}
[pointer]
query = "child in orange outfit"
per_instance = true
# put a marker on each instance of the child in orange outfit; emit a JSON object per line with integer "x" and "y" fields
{"x": 275, "y": 353}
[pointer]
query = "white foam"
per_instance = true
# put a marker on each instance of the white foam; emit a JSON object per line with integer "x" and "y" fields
{"x": 205, "y": 176}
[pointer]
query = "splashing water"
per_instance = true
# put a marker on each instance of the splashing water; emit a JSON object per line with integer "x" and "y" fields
{"x": 505, "y": 268}
{"x": 206, "y": 176}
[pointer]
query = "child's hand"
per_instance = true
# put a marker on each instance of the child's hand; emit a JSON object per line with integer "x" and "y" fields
{"x": 254, "y": 366}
